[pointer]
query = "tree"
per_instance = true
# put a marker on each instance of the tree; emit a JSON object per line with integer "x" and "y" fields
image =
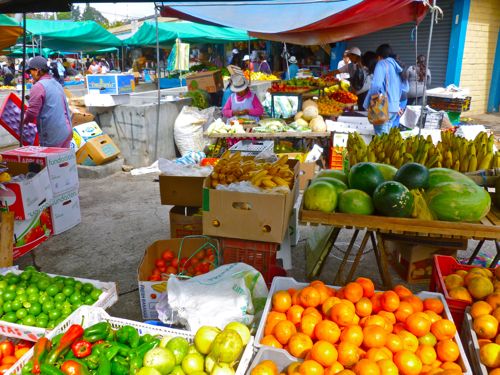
{"x": 92, "y": 14}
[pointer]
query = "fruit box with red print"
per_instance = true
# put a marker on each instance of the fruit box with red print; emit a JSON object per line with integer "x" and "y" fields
{"x": 28, "y": 196}
{"x": 30, "y": 233}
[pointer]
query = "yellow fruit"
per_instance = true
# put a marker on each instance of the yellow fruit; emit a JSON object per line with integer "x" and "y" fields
{"x": 472, "y": 275}
{"x": 480, "y": 287}
{"x": 460, "y": 293}
{"x": 453, "y": 281}
{"x": 490, "y": 355}
{"x": 480, "y": 308}
{"x": 461, "y": 273}
{"x": 487, "y": 273}
{"x": 486, "y": 326}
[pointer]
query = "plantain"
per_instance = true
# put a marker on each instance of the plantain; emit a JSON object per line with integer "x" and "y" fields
{"x": 486, "y": 161}
{"x": 464, "y": 167}
{"x": 456, "y": 166}
{"x": 472, "y": 163}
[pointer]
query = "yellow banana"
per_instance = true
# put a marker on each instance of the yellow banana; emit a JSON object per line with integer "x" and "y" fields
{"x": 473, "y": 163}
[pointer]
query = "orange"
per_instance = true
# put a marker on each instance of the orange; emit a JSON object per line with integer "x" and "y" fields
{"x": 353, "y": 292}
{"x": 334, "y": 369}
{"x": 482, "y": 342}
{"x": 309, "y": 297}
{"x": 270, "y": 340}
{"x": 410, "y": 341}
{"x": 281, "y": 301}
{"x": 376, "y": 354}
{"x": 390, "y": 317}
{"x": 480, "y": 308}
{"x": 489, "y": 355}
{"x": 486, "y": 326}
{"x": 433, "y": 316}
{"x": 376, "y": 305}
{"x": 342, "y": 314}
{"x": 428, "y": 339}
{"x": 311, "y": 367}
{"x": 394, "y": 343}
{"x": 494, "y": 300}
{"x": 374, "y": 337}
{"x": 427, "y": 354}
{"x": 496, "y": 313}
{"x": 312, "y": 311}
{"x": 444, "y": 329}
{"x": 294, "y": 313}
{"x": 495, "y": 372}
{"x": 418, "y": 323}
{"x": 346, "y": 372}
{"x": 415, "y": 302}
{"x": 389, "y": 301}
{"x": 327, "y": 305}
{"x": 322, "y": 289}
{"x": 387, "y": 367}
{"x": 308, "y": 324}
{"x": 328, "y": 331}
{"x": 283, "y": 331}
{"x": 364, "y": 307}
{"x": 272, "y": 319}
{"x": 367, "y": 285}
{"x": 295, "y": 296}
{"x": 451, "y": 366}
{"x": 348, "y": 354}
{"x": 447, "y": 351}
{"x": 402, "y": 291}
{"x": 398, "y": 327}
{"x": 407, "y": 363}
{"x": 293, "y": 368}
{"x": 324, "y": 353}
{"x": 265, "y": 368}
{"x": 404, "y": 310}
{"x": 374, "y": 320}
{"x": 352, "y": 334}
{"x": 366, "y": 367}
{"x": 433, "y": 304}
{"x": 299, "y": 345}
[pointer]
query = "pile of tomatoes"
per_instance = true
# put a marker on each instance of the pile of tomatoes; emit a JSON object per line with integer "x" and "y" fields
{"x": 345, "y": 97}
{"x": 10, "y": 353}
{"x": 170, "y": 263}
{"x": 359, "y": 331}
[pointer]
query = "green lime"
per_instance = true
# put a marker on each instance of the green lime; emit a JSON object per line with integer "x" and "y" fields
{"x": 16, "y": 305}
{"x": 35, "y": 309}
{"x": 32, "y": 289}
{"x": 59, "y": 297}
{"x": 43, "y": 284}
{"x": 14, "y": 279}
{"x": 88, "y": 300}
{"x": 29, "y": 320}
{"x": 69, "y": 281}
{"x": 7, "y": 306}
{"x": 25, "y": 276}
{"x": 44, "y": 298}
{"x": 47, "y": 306}
{"x": 22, "y": 298}
{"x": 33, "y": 298}
{"x": 75, "y": 298}
{"x": 78, "y": 285}
{"x": 54, "y": 314}
{"x": 88, "y": 288}
{"x": 9, "y": 296}
{"x": 96, "y": 293}
{"x": 51, "y": 324}
{"x": 21, "y": 313}
{"x": 3, "y": 284}
{"x": 11, "y": 288}
{"x": 52, "y": 290}
{"x": 10, "y": 317}
{"x": 41, "y": 322}
{"x": 20, "y": 291}
{"x": 68, "y": 291}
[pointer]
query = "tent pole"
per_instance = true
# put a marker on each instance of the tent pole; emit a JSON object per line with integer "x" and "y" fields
{"x": 424, "y": 97}
{"x": 416, "y": 58}
{"x": 23, "y": 84}
{"x": 158, "y": 84}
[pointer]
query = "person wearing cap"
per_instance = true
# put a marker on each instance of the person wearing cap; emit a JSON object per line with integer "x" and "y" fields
{"x": 242, "y": 102}
{"x": 293, "y": 69}
{"x": 48, "y": 107}
{"x": 354, "y": 55}
{"x": 247, "y": 63}
{"x": 235, "y": 58}
{"x": 345, "y": 61}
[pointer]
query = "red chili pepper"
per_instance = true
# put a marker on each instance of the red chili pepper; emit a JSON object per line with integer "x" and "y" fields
{"x": 72, "y": 334}
{"x": 42, "y": 347}
{"x": 81, "y": 348}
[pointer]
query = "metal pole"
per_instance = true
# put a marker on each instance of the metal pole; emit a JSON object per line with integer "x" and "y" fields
{"x": 158, "y": 84}
{"x": 23, "y": 84}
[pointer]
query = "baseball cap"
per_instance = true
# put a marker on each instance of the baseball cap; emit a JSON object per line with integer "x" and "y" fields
{"x": 246, "y": 58}
{"x": 235, "y": 51}
{"x": 354, "y": 51}
{"x": 38, "y": 62}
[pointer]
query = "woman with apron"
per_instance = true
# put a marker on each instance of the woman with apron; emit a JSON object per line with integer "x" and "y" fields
{"x": 242, "y": 103}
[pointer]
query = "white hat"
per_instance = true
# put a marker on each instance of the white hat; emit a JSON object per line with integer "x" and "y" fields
{"x": 246, "y": 58}
{"x": 292, "y": 60}
{"x": 354, "y": 51}
{"x": 238, "y": 83}
{"x": 235, "y": 51}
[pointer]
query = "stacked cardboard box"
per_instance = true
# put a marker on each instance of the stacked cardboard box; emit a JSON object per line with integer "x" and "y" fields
{"x": 92, "y": 146}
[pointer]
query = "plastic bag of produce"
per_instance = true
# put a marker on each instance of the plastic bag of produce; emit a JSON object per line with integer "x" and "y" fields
{"x": 188, "y": 128}
{"x": 232, "y": 292}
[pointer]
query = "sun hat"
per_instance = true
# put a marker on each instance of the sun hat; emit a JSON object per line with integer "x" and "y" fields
{"x": 246, "y": 58}
{"x": 292, "y": 60}
{"x": 354, "y": 51}
{"x": 238, "y": 83}
{"x": 38, "y": 62}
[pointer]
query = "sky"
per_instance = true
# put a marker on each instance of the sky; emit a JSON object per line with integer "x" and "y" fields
{"x": 120, "y": 11}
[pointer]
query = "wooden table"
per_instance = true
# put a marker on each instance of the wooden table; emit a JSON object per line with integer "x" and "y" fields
{"x": 425, "y": 231}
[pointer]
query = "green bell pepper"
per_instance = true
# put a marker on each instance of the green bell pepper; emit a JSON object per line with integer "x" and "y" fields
{"x": 128, "y": 335}
{"x": 104, "y": 365}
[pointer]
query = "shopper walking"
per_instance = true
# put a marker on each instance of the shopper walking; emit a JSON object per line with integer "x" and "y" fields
{"x": 293, "y": 68}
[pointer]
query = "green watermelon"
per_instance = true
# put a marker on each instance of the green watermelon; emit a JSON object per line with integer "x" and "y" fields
{"x": 388, "y": 171}
{"x": 413, "y": 176}
{"x": 333, "y": 173}
{"x": 354, "y": 201}
{"x": 440, "y": 175}
{"x": 392, "y": 198}
{"x": 337, "y": 184}
{"x": 453, "y": 201}
{"x": 366, "y": 177}
{"x": 320, "y": 196}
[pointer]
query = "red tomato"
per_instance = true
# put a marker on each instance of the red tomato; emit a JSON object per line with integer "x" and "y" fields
{"x": 175, "y": 263}
{"x": 159, "y": 263}
{"x": 162, "y": 269}
{"x": 4, "y": 368}
{"x": 204, "y": 267}
{"x": 156, "y": 272}
{"x": 211, "y": 257}
{"x": 183, "y": 262}
{"x": 154, "y": 278}
{"x": 168, "y": 255}
{"x": 194, "y": 261}
{"x": 200, "y": 254}
{"x": 6, "y": 348}
{"x": 171, "y": 270}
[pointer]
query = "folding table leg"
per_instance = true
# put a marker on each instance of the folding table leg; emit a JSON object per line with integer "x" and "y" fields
{"x": 358, "y": 256}
{"x": 384, "y": 272}
{"x": 476, "y": 251}
{"x": 338, "y": 276}
{"x": 497, "y": 257}
{"x": 376, "y": 252}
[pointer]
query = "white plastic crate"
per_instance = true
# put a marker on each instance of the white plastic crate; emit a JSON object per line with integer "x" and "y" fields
{"x": 285, "y": 283}
{"x": 108, "y": 298}
{"x": 252, "y": 147}
{"x": 92, "y": 315}
{"x": 280, "y": 357}
{"x": 472, "y": 344}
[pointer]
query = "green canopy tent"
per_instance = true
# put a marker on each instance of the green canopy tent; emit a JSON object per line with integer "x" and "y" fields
{"x": 18, "y": 52}
{"x": 9, "y": 31}
{"x": 188, "y": 32}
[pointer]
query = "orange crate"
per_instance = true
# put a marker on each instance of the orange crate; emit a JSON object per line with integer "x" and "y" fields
{"x": 259, "y": 255}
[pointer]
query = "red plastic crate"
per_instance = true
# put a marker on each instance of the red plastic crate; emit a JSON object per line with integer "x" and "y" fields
{"x": 259, "y": 255}
{"x": 445, "y": 265}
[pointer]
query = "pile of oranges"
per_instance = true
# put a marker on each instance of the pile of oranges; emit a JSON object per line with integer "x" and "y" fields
{"x": 355, "y": 330}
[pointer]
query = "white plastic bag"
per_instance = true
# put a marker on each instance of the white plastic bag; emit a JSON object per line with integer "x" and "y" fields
{"x": 232, "y": 292}
{"x": 188, "y": 128}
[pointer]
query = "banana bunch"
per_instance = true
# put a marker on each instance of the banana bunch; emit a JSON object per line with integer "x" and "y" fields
{"x": 451, "y": 152}
{"x": 420, "y": 208}
{"x": 232, "y": 168}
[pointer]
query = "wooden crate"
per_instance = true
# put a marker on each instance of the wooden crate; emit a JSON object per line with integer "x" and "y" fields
{"x": 6, "y": 238}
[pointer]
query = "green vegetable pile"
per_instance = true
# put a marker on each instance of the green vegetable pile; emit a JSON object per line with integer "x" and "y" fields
{"x": 34, "y": 298}
{"x": 199, "y": 98}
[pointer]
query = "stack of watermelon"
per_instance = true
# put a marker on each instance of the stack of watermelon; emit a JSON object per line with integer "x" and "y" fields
{"x": 410, "y": 191}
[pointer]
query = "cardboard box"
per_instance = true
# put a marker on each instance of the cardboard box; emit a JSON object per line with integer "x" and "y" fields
{"x": 80, "y": 115}
{"x": 307, "y": 170}
{"x": 181, "y": 190}
{"x": 97, "y": 151}
{"x": 111, "y": 84}
{"x": 26, "y": 198}
{"x": 28, "y": 234}
{"x": 250, "y": 216}
{"x": 82, "y": 133}
{"x": 413, "y": 262}
{"x": 65, "y": 211}
{"x": 185, "y": 221}
{"x": 60, "y": 163}
{"x": 149, "y": 291}
{"x": 208, "y": 81}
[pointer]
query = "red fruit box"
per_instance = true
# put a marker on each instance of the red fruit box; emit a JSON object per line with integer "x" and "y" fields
{"x": 285, "y": 283}
{"x": 445, "y": 265}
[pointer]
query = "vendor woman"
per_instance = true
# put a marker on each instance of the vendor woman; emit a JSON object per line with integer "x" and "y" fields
{"x": 242, "y": 102}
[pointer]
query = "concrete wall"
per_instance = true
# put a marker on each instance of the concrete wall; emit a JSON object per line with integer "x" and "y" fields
{"x": 479, "y": 52}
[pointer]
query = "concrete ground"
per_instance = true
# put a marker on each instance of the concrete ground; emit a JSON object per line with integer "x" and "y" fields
{"x": 122, "y": 215}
